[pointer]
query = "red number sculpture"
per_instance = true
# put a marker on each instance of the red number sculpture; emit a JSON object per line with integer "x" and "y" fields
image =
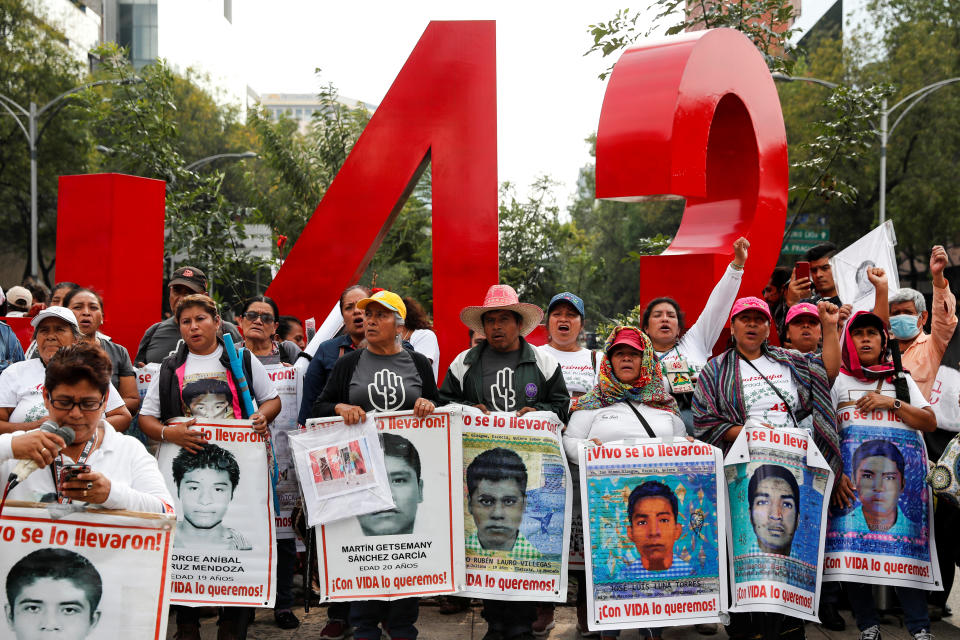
{"x": 442, "y": 108}
{"x": 698, "y": 116}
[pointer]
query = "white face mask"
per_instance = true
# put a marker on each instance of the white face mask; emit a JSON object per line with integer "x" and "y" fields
{"x": 904, "y": 327}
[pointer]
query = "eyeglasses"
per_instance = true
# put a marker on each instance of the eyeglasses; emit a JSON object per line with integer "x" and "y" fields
{"x": 87, "y": 405}
{"x": 267, "y": 318}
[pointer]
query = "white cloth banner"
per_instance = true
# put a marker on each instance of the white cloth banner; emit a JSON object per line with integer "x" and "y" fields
{"x": 779, "y": 489}
{"x": 95, "y": 574}
{"x": 657, "y": 528}
{"x": 876, "y": 249}
{"x": 416, "y": 548}
{"x": 517, "y": 520}
{"x": 225, "y": 544}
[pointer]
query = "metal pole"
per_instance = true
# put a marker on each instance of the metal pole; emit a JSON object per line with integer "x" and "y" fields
{"x": 34, "y": 244}
{"x": 883, "y": 160}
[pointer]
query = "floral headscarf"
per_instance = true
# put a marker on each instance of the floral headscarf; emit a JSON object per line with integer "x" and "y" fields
{"x": 648, "y": 388}
{"x": 851, "y": 360}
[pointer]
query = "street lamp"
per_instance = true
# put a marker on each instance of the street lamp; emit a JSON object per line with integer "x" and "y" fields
{"x": 33, "y": 137}
{"x": 884, "y": 131}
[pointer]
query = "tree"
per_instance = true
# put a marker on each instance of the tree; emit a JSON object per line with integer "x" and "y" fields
{"x": 143, "y": 127}
{"x": 36, "y": 66}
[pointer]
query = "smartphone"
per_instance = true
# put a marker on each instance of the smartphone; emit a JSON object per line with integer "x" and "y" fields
{"x": 802, "y": 270}
{"x": 71, "y": 471}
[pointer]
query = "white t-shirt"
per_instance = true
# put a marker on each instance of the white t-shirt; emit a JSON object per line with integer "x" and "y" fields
{"x": 21, "y": 387}
{"x": 762, "y": 402}
{"x": 945, "y": 398}
{"x": 618, "y": 422}
{"x": 846, "y": 388}
{"x": 696, "y": 345}
{"x": 218, "y": 402}
{"x": 425, "y": 341}
{"x": 577, "y": 366}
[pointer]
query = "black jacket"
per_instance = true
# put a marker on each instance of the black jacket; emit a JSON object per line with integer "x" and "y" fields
{"x": 337, "y": 389}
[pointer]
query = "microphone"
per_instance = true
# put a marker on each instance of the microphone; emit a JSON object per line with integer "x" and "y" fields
{"x": 25, "y": 467}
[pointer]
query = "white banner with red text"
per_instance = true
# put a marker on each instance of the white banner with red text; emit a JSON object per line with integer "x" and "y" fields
{"x": 93, "y": 574}
{"x": 225, "y": 544}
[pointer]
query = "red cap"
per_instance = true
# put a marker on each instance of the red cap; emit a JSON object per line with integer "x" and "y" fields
{"x": 628, "y": 336}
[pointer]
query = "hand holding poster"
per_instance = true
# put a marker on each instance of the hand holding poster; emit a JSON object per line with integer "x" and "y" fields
{"x": 91, "y": 575}
{"x": 657, "y": 520}
{"x": 886, "y": 535}
{"x": 416, "y": 547}
{"x": 779, "y": 485}
{"x": 225, "y": 539}
{"x": 340, "y": 469}
{"x": 518, "y": 499}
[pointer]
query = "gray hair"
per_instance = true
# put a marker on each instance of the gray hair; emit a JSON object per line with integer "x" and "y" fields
{"x": 400, "y": 320}
{"x": 77, "y": 336}
{"x": 907, "y": 294}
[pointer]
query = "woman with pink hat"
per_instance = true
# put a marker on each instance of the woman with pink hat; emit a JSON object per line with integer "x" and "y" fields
{"x": 755, "y": 383}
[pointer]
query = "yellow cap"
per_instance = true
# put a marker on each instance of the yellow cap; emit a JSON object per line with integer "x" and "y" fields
{"x": 388, "y": 299}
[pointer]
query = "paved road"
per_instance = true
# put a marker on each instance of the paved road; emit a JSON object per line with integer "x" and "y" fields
{"x": 470, "y": 626}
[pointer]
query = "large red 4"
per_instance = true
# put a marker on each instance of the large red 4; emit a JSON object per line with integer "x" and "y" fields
{"x": 443, "y": 108}
{"x": 698, "y": 116}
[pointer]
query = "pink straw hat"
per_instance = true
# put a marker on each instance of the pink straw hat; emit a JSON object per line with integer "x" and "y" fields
{"x": 502, "y": 296}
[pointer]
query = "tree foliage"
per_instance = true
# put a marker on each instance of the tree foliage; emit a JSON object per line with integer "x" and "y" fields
{"x": 35, "y": 66}
{"x": 142, "y": 130}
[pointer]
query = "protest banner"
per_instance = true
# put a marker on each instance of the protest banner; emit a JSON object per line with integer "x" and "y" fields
{"x": 416, "y": 548}
{"x": 224, "y": 544}
{"x": 654, "y": 545}
{"x": 285, "y": 381}
{"x": 517, "y": 506}
{"x": 89, "y": 575}
{"x": 779, "y": 487}
{"x": 875, "y": 249}
{"x": 887, "y": 463}
{"x": 340, "y": 469}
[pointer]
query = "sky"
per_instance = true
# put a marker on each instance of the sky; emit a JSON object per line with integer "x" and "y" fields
{"x": 548, "y": 94}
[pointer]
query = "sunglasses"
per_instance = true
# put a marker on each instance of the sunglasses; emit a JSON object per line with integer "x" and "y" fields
{"x": 267, "y": 318}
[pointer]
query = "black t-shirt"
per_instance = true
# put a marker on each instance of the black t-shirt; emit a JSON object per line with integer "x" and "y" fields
{"x": 385, "y": 383}
{"x": 498, "y": 371}
{"x": 121, "y": 361}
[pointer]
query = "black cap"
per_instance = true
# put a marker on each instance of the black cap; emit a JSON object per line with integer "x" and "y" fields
{"x": 190, "y": 277}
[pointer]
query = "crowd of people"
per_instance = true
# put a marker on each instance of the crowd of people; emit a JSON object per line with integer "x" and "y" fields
{"x": 657, "y": 380}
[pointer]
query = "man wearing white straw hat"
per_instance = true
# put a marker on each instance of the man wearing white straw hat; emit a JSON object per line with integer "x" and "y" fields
{"x": 512, "y": 376}
{"x": 505, "y": 373}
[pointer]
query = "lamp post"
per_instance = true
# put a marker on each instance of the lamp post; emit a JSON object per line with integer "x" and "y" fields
{"x": 33, "y": 137}
{"x": 885, "y": 129}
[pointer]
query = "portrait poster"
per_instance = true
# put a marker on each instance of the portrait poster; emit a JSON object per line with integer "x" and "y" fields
{"x": 875, "y": 249}
{"x": 96, "y": 574}
{"x": 656, "y": 514}
{"x": 517, "y": 502}
{"x": 340, "y": 469}
{"x": 779, "y": 489}
{"x": 416, "y": 547}
{"x": 284, "y": 379}
{"x": 225, "y": 540}
{"x": 887, "y": 463}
